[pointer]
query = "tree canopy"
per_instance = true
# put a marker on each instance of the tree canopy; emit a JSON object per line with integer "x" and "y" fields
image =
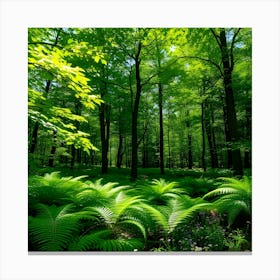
{"x": 140, "y": 97}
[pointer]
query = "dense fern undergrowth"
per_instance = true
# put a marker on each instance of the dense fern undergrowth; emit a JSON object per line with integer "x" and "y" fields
{"x": 181, "y": 211}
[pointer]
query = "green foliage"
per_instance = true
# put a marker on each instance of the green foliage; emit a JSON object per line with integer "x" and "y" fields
{"x": 53, "y": 80}
{"x": 160, "y": 191}
{"x": 104, "y": 240}
{"x": 234, "y": 196}
{"x": 53, "y": 189}
{"x": 71, "y": 214}
{"x": 177, "y": 211}
{"x": 53, "y": 227}
{"x": 203, "y": 233}
{"x": 237, "y": 241}
{"x": 97, "y": 194}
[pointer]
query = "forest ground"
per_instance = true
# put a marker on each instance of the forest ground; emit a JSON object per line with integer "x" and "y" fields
{"x": 195, "y": 181}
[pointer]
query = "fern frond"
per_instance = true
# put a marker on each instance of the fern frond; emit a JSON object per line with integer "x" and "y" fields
{"x": 53, "y": 228}
{"x": 103, "y": 240}
{"x": 157, "y": 215}
{"x": 136, "y": 223}
{"x": 220, "y": 191}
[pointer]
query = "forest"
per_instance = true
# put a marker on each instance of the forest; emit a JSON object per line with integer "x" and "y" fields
{"x": 139, "y": 139}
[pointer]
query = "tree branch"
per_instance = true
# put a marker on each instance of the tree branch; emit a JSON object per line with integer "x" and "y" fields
{"x": 209, "y": 61}
{"x": 231, "y": 48}
{"x": 217, "y": 37}
{"x": 45, "y": 43}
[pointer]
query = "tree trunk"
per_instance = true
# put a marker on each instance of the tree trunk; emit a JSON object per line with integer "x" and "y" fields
{"x": 210, "y": 136}
{"x": 134, "y": 134}
{"x": 34, "y": 138}
{"x": 36, "y": 126}
{"x": 190, "y": 157}
{"x": 203, "y": 138}
{"x": 73, "y": 154}
{"x": 79, "y": 156}
{"x": 215, "y": 153}
{"x": 120, "y": 151}
{"x": 230, "y": 104}
{"x": 53, "y": 149}
{"x": 161, "y": 151}
{"x": 74, "y": 151}
{"x": 104, "y": 120}
{"x": 247, "y": 153}
{"x": 229, "y": 154}
{"x": 168, "y": 143}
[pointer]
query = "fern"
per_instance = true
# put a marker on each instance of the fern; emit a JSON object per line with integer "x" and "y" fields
{"x": 160, "y": 191}
{"x": 96, "y": 194}
{"x": 119, "y": 212}
{"x": 104, "y": 240}
{"x": 53, "y": 189}
{"x": 53, "y": 227}
{"x": 232, "y": 196}
{"x": 177, "y": 211}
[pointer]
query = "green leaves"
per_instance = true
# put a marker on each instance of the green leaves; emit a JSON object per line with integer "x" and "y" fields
{"x": 52, "y": 228}
{"x": 177, "y": 211}
{"x": 233, "y": 196}
{"x": 65, "y": 84}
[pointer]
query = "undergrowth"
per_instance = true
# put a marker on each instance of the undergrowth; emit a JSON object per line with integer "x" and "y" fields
{"x": 87, "y": 213}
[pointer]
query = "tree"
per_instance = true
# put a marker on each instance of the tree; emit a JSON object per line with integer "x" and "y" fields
{"x": 227, "y": 57}
{"x": 48, "y": 60}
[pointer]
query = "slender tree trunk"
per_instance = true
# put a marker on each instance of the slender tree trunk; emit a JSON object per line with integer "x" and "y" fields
{"x": 36, "y": 126}
{"x": 215, "y": 153}
{"x": 120, "y": 151}
{"x": 161, "y": 151}
{"x": 168, "y": 143}
{"x": 247, "y": 152}
{"x": 190, "y": 157}
{"x": 53, "y": 149}
{"x": 203, "y": 138}
{"x": 34, "y": 138}
{"x": 74, "y": 151}
{"x": 104, "y": 120}
{"x": 134, "y": 134}
{"x": 73, "y": 155}
{"x": 79, "y": 156}
{"x": 210, "y": 136}
{"x": 227, "y": 135}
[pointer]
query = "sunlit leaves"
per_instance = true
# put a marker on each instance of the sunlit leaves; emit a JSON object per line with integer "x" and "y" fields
{"x": 49, "y": 61}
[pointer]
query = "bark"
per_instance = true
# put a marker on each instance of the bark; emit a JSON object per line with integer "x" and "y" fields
{"x": 168, "y": 144}
{"x": 227, "y": 135}
{"x": 190, "y": 157}
{"x": 247, "y": 153}
{"x": 145, "y": 150}
{"x": 34, "y": 138}
{"x": 79, "y": 156}
{"x": 203, "y": 138}
{"x": 161, "y": 151}
{"x": 104, "y": 120}
{"x": 53, "y": 149}
{"x": 36, "y": 126}
{"x": 210, "y": 138}
{"x": 78, "y": 111}
{"x": 120, "y": 151}
{"x": 227, "y": 57}
{"x": 215, "y": 153}
{"x": 73, "y": 154}
{"x": 134, "y": 134}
